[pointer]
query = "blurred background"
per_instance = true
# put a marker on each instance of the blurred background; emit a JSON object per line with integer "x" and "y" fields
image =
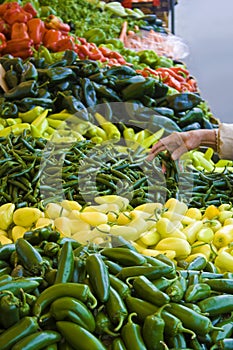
{"x": 206, "y": 26}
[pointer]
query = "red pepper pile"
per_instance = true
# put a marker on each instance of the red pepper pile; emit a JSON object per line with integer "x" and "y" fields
{"x": 21, "y": 32}
{"x": 176, "y": 77}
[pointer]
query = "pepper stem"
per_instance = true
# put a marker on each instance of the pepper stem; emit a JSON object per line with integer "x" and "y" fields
{"x": 92, "y": 303}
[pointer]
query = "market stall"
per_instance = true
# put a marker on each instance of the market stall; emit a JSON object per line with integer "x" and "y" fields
{"x": 100, "y": 247}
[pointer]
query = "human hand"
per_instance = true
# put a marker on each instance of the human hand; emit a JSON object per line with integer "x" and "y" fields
{"x": 177, "y": 143}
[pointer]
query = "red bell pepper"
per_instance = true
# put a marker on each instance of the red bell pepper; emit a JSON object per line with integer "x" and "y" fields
{"x": 28, "y": 7}
{"x": 51, "y": 36}
{"x": 67, "y": 43}
{"x": 7, "y": 6}
{"x": 19, "y": 31}
{"x": 2, "y": 42}
{"x": 17, "y": 45}
{"x": 36, "y": 30}
{"x": 13, "y": 15}
{"x": 54, "y": 22}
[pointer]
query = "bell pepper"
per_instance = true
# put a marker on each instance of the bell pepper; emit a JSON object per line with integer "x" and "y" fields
{"x": 2, "y": 42}
{"x": 28, "y": 7}
{"x": 148, "y": 57}
{"x": 95, "y": 35}
{"x": 65, "y": 43}
{"x": 54, "y": 22}
{"x": 9, "y": 309}
{"x": 24, "y": 89}
{"x": 36, "y": 29}
{"x": 51, "y": 36}
{"x": 14, "y": 15}
{"x": 19, "y": 31}
{"x": 15, "y": 46}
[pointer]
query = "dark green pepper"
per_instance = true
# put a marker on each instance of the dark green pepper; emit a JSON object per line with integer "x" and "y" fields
{"x": 29, "y": 73}
{"x": 216, "y": 305}
{"x": 223, "y": 344}
{"x": 223, "y": 285}
{"x": 116, "y": 309}
{"x": 24, "y": 89}
{"x": 8, "y": 110}
{"x": 103, "y": 324}
{"x": 9, "y": 309}
{"x": 146, "y": 290}
{"x": 138, "y": 90}
{"x": 182, "y": 101}
{"x": 175, "y": 291}
{"x": 27, "y": 103}
{"x": 11, "y": 78}
{"x": 193, "y": 115}
{"x": 118, "y": 344}
{"x": 124, "y": 256}
{"x": 38, "y": 340}
{"x": 98, "y": 276}
{"x": 226, "y": 332}
{"x": 153, "y": 330}
{"x": 88, "y": 92}
{"x": 65, "y": 264}
{"x": 121, "y": 287}
{"x": 196, "y": 292}
{"x": 131, "y": 334}
{"x": 59, "y": 74}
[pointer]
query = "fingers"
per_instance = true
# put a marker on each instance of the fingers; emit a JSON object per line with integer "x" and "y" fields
{"x": 156, "y": 149}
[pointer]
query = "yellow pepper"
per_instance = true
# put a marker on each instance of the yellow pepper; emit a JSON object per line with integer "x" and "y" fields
{"x": 179, "y": 245}
{"x": 211, "y": 212}
{"x": 224, "y": 260}
{"x": 27, "y": 216}
{"x": 6, "y": 215}
{"x": 176, "y": 206}
{"x": 192, "y": 230}
{"x": 223, "y": 236}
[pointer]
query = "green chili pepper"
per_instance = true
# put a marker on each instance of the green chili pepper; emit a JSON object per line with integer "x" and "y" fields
{"x": 25, "y": 326}
{"x": 216, "y": 305}
{"x": 11, "y": 78}
{"x": 25, "y": 89}
{"x": 116, "y": 309}
{"x": 223, "y": 344}
{"x": 153, "y": 330}
{"x": 175, "y": 291}
{"x": 14, "y": 286}
{"x": 146, "y": 290}
{"x": 131, "y": 334}
{"x": 38, "y": 340}
{"x": 29, "y": 73}
{"x": 65, "y": 264}
{"x": 151, "y": 272}
{"x": 191, "y": 319}
{"x": 226, "y": 332}
{"x": 124, "y": 256}
{"x": 8, "y": 110}
{"x": 79, "y": 337}
{"x": 89, "y": 94}
{"x": 121, "y": 287}
{"x": 113, "y": 267}
{"x": 103, "y": 324}
{"x": 182, "y": 101}
{"x": 73, "y": 310}
{"x": 223, "y": 285}
{"x": 117, "y": 344}
{"x": 138, "y": 90}
{"x": 77, "y": 290}
{"x": 196, "y": 292}
{"x": 198, "y": 263}
{"x": 163, "y": 283}
{"x": 9, "y": 309}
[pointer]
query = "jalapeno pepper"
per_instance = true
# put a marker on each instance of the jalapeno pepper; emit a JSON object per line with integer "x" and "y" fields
{"x": 196, "y": 292}
{"x": 124, "y": 256}
{"x": 65, "y": 264}
{"x": 216, "y": 305}
{"x": 131, "y": 334}
{"x": 116, "y": 309}
{"x": 37, "y": 340}
{"x": 9, "y": 309}
{"x": 103, "y": 324}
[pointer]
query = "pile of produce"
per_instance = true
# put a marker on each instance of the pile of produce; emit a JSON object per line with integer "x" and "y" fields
{"x": 95, "y": 240}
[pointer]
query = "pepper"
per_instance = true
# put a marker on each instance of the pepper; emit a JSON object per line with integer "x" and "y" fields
{"x": 182, "y": 101}
{"x": 98, "y": 276}
{"x": 73, "y": 310}
{"x": 19, "y": 30}
{"x": 54, "y": 22}
{"x": 74, "y": 106}
{"x": 116, "y": 309}
{"x": 117, "y": 344}
{"x": 77, "y": 290}
{"x": 223, "y": 344}
{"x": 24, "y": 89}
{"x": 195, "y": 114}
{"x": 103, "y": 92}
{"x": 95, "y": 35}
{"x": 25, "y": 307}
{"x": 62, "y": 44}
{"x": 151, "y": 272}
{"x": 9, "y": 309}
{"x": 103, "y": 324}
{"x": 65, "y": 264}
{"x": 16, "y": 46}
{"x": 196, "y": 292}
{"x": 27, "y": 103}
{"x": 153, "y": 330}
{"x": 176, "y": 290}
{"x": 223, "y": 285}
{"x": 31, "y": 114}
{"x": 131, "y": 334}
{"x": 124, "y": 256}
{"x": 138, "y": 90}
{"x": 111, "y": 130}
{"x": 89, "y": 94}
{"x": 29, "y": 72}
{"x": 37, "y": 340}
{"x": 8, "y": 110}
{"x": 36, "y": 29}
{"x": 145, "y": 289}
{"x": 191, "y": 319}
{"x": 122, "y": 288}
{"x": 216, "y": 305}
{"x": 226, "y": 332}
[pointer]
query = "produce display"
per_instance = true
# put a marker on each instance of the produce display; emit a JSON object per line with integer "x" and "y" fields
{"x": 101, "y": 248}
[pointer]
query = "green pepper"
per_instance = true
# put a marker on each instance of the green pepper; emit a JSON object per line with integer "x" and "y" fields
{"x": 176, "y": 290}
{"x": 138, "y": 90}
{"x": 72, "y": 309}
{"x": 165, "y": 111}
{"x": 95, "y": 35}
{"x": 38, "y": 340}
{"x": 223, "y": 285}
{"x": 153, "y": 330}
{"x": 198, "y": 263}
{"x": 15, "y": 63}
{"x": 8, "y": 110}
{"x": 113, "y": 267}
{"x": 9, "y": 309}
{"x": 103, "y": 92}
{"x": 217, "y": 304}
{"x": 146, "y": 290}
{"x": 25, "y": 326}
{"x": 73, "y": 106}
{"x": 182, "y": 101}
{"x": 196, "y": 292}
{"x": 29, "y": 73}
{"x": 148, "y": 57}
{"x": 98, "y": 276}
{"x": 226, "y": 332}
{"x": 77, "y": 290}
{"x": 121, "y": 287}
{"x": 59, "y": 74}
{"x": 223, "y": 344}
{"x": 193, "y": 115}
{"x": 15, "y": 285}
{"x": 27, "y": 88}
{"x": 88, "y": 91}
{"x": 27, "y": 103}
{"x": 124, "y": 256}
{"x": 131, "y": 334}
{"x": 103, "y": 324}
{"x": 191, "y": 319}
{"x": 65, "y": 264}
{"x": 116, "y": 309}
{"x": 11, "y": 78}
{"x": 79, "y": 337}
{"x": 151, "y": 272}
{"x": 117, "y": 344}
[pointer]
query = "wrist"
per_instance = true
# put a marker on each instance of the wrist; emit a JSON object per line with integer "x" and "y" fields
{"x": 209, "y": 138}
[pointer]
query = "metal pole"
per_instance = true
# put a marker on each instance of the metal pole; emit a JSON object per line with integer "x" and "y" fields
{"x": 172, "y": 10}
